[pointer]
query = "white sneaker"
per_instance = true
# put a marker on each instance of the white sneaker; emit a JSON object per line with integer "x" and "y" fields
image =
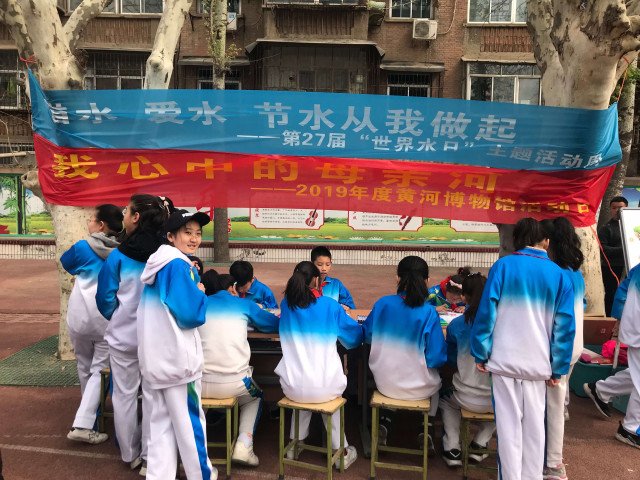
{"x": 350, "y": 456}
{"x": 244, "y": 455}
{"x": 143, "y": 469}
{"x": 135, "y": 463}
{"x": 382, "y": 435}
{"x": 87, "y": 436}
{"x": 214, "y": 473}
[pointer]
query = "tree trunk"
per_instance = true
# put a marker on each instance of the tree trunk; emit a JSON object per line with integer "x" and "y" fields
{"x": 626, "y": 108}
{"x": 160, "y": 62}
{"x": 505, "y": 234}
{"x": 582, "y": 48}
{"x": 218, "y": 50}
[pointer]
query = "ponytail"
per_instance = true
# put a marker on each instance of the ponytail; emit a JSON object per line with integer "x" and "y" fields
{"x": 413, "y": 273}
{"x": 111, "y": 216}
{"x": 153, "y": 212}
{"x": 298, "y": 292}
{"x": 472, "y": 287}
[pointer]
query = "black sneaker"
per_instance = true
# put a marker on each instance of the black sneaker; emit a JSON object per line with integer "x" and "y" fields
{"x": 477, "y": 457}
{"x": 452, "y": 457}
{"x": 592, "y": 393}
{"x": 625, "y": 436}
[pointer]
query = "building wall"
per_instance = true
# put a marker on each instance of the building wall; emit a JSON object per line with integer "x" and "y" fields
{"x": 322, "y": 24}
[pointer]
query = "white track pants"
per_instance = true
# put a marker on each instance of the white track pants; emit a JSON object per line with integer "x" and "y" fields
{"x": 125, "y": 376}
{"x": 631, "y": 420}
{"x": 92, "y": 355}
{"x": 615, "y": 385}
{"x": 450, "y": 407}
{"x": 303, "y": 428}
{"x": 178, "y": 424}
{"x": 556, "y": 402}
{"x": 249, "y": 400}
{"x": 519, "y": 410}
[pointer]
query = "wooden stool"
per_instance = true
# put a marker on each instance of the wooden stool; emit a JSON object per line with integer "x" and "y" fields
{"x": 380, "y": 401}
{"x": 327, "y": 409}
{"x": 226, "y": 404}
{"x": 105, "y": 377}
{"x": 465, "y": 437}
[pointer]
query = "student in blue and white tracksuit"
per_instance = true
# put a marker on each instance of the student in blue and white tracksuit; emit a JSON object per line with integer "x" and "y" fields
{"x": 250, "y": 287}
{"x": 407, "y": 344}
{"x": 226, "y": 355}
{"x": 311, "y": 370}
{"x": 85, "y": 323}
{"x": 472, "y": 389}
{"x": 523, "y": 334}
{"x": 604, "y": 391}
{"x": 629, "y": 429}
{"x": 172, "y": 306}
{"x": 117, "y": 298}
{"x": 564, "y": 250}
{"x": 329, "y": 286}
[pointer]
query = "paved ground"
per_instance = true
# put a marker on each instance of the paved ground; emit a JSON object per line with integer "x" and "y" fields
{"x": 34, "y": 421}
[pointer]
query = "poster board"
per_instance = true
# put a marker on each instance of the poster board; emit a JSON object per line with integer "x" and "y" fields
{"x": 630, "y": 232}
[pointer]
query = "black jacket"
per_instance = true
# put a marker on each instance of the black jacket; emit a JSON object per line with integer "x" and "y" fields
{"x": 611, "y": 241}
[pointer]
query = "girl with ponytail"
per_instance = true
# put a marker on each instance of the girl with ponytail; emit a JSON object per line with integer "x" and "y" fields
{"x": 407, "y": 343}
{"x": 564, "y": 250}
{"x": 117, "y": 297}
{"x": 472, "y": 389}
{"x": 311, "y": 370}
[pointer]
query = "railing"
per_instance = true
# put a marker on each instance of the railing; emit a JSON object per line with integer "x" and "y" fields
{"x": 357, "y": 254}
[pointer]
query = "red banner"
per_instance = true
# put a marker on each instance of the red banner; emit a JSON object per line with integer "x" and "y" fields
{"x": 72, "y": 176}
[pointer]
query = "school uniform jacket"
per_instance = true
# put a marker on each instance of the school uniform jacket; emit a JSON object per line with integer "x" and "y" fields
{"x": 621, "y": 296}
{"x": 472, "y": 386}
{"x": 117, "y": 297}
{"x": 311, "y": 369}
{"x": 334, "y": 288}
{"x": 260, "y": 293}
{"x": 630, "y": 321}
{"x": 525, "y": 324}
{"x": 84, "y": 260}
{"x": 171, "y": 309}
{"x": 224, "y": 335}
{"x": 579, "y": 304}
{"x": 407, "y": 347}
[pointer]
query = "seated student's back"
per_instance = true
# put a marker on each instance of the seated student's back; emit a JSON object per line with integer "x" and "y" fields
{"x": 224, "y": 335}
{"x": 407, "y": 343}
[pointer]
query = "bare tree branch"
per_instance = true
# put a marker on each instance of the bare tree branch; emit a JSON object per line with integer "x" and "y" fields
{"x": 80, "y": 17}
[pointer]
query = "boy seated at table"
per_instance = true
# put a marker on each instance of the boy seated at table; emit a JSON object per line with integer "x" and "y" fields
{"x": 330, "y": 286}
{"x": 226, "y": 352}
{"x": 250, "y": 287}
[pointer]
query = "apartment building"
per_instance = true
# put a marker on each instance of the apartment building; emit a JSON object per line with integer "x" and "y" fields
{"x": 473, "y": 49}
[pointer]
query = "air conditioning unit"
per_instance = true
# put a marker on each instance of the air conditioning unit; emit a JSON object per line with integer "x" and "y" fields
{"x": 424, "y": 29}
{"x": 232, "y": 21}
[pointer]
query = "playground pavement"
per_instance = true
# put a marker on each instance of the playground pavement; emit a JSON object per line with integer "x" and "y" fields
{"x": 34, "y": 420}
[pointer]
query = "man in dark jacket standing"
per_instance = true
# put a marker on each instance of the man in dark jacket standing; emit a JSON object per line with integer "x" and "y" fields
{"x": 611, "y": 242}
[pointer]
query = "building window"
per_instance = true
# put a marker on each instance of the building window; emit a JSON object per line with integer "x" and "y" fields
{"x": 409, "y": 84}
{"x": 231, "y": 79}
{"x": 115, "y": 71}
{"x": 498, "y": 11}
{"x": 410, "y": 8}
{"x": 509, "y": 82}
{"x": 126, "y": 6}
{"x": 315, "y": 68}
{"x": 233, "y": 6}
{"x": 11, "y": 90}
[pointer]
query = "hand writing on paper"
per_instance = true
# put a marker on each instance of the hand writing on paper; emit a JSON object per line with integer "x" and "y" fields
{"x": 442, "y": 309}
{"x": 460, "y": 309}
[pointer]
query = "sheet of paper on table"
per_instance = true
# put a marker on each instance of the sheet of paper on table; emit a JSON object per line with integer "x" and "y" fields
{"x": 447, "y": 317}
